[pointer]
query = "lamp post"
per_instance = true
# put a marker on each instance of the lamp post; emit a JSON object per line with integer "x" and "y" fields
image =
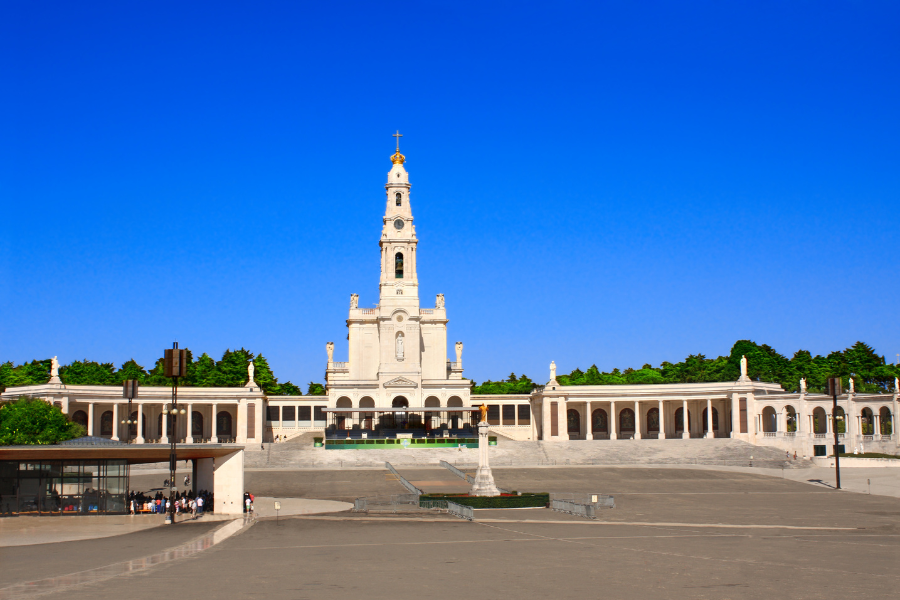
{"x": 834, "y": 389}
{"x": 130, "y": 391}
{"x": 175, "y": 367}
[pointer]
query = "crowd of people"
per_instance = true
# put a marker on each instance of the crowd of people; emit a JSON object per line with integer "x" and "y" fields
{"x": 185, "y": 502}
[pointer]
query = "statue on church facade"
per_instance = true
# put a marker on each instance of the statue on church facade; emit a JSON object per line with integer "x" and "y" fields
{"x": 552, "y": 370}
{"x": 54, "y": 370}
{"x": 399, "y": 346}
{"x": 439, "y": 301}
{"x": 251, "y": 368}
{"x": 802, "y": 385}
{"x": 743, "y": 366}
{"x": 329, "y": 348}
{"x": 354, "y": 300}
{"x": 459, "y": 347}
{"x": 852, "y": 389}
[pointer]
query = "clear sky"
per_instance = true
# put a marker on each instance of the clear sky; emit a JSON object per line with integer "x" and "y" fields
{"x": 610, "y": 182}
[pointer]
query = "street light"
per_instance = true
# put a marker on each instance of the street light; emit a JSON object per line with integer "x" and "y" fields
{"x": 130, "y": 391}
{"x": 833, "y": 386}
{"x": 175, "y": 367}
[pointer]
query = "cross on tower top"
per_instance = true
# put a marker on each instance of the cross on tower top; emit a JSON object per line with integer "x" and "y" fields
{"x": 397, "y": 135}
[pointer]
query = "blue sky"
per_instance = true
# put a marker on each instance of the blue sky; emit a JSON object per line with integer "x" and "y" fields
{"x": 615, "y": 182}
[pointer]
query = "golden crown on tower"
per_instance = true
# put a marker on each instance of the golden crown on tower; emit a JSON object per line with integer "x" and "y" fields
{"x": 397, "y": 158}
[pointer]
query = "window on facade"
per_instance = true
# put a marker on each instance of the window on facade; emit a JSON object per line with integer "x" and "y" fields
{"x": 273, "y": 413}
{"x": 319, "y": 413}
{"x": 524, "y": 414}
{"x": 509, "y": 414}
{"x": 398, "y": 265}
{"x": 493, "y": 416}
{"x": 303, "y": 413}
{"x": 287, "y": 413}
{"x": 399, "y": 197}
{"x": 106, "y": 423}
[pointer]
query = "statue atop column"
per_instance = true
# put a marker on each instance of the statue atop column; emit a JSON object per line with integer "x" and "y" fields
{"x": 802, "y": 385}
{"x": 744, "y": 378}
{"x": 439, "y": 301}
{"x": 852, "y": 389}
{"x": 251, "y": 369}
{"x": 552, "y": 370}
{"x": 459, "y": 347}
{"x": 329, "y": 348}
{"x": 484, "y": 410}
{"x": 354, "y": 300}
{"x": 54, "y": 371}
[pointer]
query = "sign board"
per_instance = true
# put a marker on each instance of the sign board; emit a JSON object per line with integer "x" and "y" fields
{"x": 277, "y": 505}
{"x": 593, "y": 498}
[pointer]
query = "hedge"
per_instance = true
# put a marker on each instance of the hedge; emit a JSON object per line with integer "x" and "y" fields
{"x": 523, "y": 501}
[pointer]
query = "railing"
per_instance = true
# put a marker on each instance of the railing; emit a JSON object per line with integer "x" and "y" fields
{"x": 337, "y": 366}
{"x": 868, "y": 438}
{"x": 770, "y": 434}
{"x": 368, "y": 311}
{"x": 571, "y": 508}
{"x": 433, "y": 504}
{"x": 886, "y": 437}
{"x": 426, "y": 311}
{"x": 413, "y": 489}
{"x": 453, "y": 365}
{"x": 790, "y": 433}
{"x": 820, "y": 436}
{"x": 458, "y": 510}
{"x": 360, "y": 505}
{"x": 469, "y": 479}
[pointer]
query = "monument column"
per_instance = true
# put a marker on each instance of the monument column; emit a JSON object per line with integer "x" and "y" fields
{"x": 115, "y": 429}
{"x": 188, "y": 438}
{"x": 709, "y": 420}
{"x": 735, "y": 415}
{"x": 545, "y": 419}
{"x": 214, "y": 438}
{"x": 589, "y": 425}
{"x": 637, "y": 420}
{"x": 685, "y": 421}
{"x": 612, "y": 420}
{"x": 662, "y": 421}
{"x": 90, "y": 423}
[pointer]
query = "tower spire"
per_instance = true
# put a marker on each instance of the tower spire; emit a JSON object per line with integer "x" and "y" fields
{"x": 397, "y": 158}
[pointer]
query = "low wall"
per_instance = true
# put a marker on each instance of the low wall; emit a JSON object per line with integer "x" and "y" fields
{"x": 821, "y": 461}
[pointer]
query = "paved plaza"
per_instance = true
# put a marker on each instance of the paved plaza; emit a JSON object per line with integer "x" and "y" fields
{"x": 675, "y": 533}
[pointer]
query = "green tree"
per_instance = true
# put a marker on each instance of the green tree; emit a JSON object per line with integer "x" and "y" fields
{"x": 88, "y": 372}
{"x": 131, "y": 370}
{"x": 29, "y": 422}
{"x": 315, "y": 389}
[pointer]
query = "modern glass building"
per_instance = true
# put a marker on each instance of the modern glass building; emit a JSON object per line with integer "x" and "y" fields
{"x": 63, "y": 487}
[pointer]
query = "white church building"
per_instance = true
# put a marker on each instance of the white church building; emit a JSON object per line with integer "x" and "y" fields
{"x": 398, "y": 380}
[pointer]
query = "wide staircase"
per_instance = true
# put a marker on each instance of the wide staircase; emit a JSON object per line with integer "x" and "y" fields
{"x": 300, "y": 453}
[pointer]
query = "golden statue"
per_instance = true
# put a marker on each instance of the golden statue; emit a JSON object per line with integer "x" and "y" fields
{"x": 483, "y": 409}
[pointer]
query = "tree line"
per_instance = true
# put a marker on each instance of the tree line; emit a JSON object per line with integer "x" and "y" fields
{"x": 229, "y": 371}
{"x": 871, "y": 373}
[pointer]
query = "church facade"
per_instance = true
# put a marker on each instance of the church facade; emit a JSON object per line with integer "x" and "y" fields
{"x": 398, "y": 378}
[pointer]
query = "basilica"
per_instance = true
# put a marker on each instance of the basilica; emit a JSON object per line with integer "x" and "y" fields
{"x": 400, "y": 382}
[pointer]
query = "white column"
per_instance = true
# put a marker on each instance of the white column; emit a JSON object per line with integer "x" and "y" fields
{"x": 829, "y": 419}
{"x": 876, "y": 430}
{"x": 662, "y": 421}
{"x": 164, "y": 434}
{"x": 139, "y": 438}
{"x": 241, "y": 411}
{"x": 214, "y": 437}
{"x": 709, "y": 421}
{"x": 735, "y": 415}
{"x": 115, "y": 429}
{"x": 260, "y": 424}
{"x": 188, "y": 438}
{"x": 685, "y": 421}
{"x": 612, "y": 420}
{"x": 90, "y": 423}
{"x": 589, "y": 434}
{"x": 561, "y": 418}
{"x": 637, "y": 420}
{"x": 545, "y": 419}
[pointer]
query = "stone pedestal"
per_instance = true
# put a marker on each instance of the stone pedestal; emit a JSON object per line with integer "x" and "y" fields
{"x": 484, "y": 479}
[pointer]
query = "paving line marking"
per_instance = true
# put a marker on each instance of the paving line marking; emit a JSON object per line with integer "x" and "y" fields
{"x": 585, "y": 522}
{"x": 30, "y": 589}
{"x": 481, "y": 541}
{"x": 696, "y": 557}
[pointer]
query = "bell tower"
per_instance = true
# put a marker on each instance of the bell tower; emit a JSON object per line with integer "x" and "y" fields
{"x": 399, "y": 286}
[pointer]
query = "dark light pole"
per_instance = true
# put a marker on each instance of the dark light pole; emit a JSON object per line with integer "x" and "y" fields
{"x": 834, "y": 390}
{"x": 175, "y": 367}
{"x": 130, "y": 391}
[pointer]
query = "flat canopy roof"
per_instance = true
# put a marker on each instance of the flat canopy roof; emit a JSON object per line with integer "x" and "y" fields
{"x": 133, "y": 453}
{"x": 401, "y": 409}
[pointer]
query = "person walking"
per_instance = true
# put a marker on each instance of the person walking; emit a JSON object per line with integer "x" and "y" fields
{"x": 199, "y": 505}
